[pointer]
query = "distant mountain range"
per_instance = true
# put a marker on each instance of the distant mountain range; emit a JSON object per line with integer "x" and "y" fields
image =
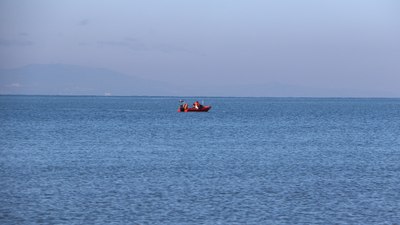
{"x": 61, "y": 79}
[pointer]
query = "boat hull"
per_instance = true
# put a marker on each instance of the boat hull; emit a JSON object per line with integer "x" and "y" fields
{"x": 203, "y": 109}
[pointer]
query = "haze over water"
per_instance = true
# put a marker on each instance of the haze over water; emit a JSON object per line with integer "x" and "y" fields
{"x": 135, "y": 160}
{"x": 335, "y": 48}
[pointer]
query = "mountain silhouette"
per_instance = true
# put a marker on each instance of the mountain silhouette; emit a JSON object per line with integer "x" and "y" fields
{"x": 61, "y": 79}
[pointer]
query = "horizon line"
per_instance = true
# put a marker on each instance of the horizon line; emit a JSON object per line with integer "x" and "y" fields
{"x": 191, "y": 96}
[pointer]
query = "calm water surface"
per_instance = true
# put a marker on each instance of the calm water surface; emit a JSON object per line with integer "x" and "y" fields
{"x": 135, "y": 160}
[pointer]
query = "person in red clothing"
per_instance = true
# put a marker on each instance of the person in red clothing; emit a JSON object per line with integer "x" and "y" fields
{"x": 197, "y": 105}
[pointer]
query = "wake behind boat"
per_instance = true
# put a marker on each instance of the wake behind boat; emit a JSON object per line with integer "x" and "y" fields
{"x": 197, "y": 107}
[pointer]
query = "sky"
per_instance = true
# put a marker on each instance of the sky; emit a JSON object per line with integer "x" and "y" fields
{"x": 339, "y": 44}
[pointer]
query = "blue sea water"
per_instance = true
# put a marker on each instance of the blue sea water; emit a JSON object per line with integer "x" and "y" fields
{"x": 135, "y": 160}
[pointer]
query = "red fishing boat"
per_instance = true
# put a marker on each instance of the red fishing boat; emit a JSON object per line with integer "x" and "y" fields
{"x": 197, "y": 107}
{"x": 193, "y": 109}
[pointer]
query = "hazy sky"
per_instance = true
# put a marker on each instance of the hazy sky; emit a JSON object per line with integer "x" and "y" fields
{"x": 320, "y": 43}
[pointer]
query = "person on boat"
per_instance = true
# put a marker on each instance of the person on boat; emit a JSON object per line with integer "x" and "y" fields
{"x": 196, "y": 105}
{"x": 183, "y": 106}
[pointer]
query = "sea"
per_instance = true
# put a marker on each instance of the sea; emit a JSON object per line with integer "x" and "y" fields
{"x": 136, "y": 160}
